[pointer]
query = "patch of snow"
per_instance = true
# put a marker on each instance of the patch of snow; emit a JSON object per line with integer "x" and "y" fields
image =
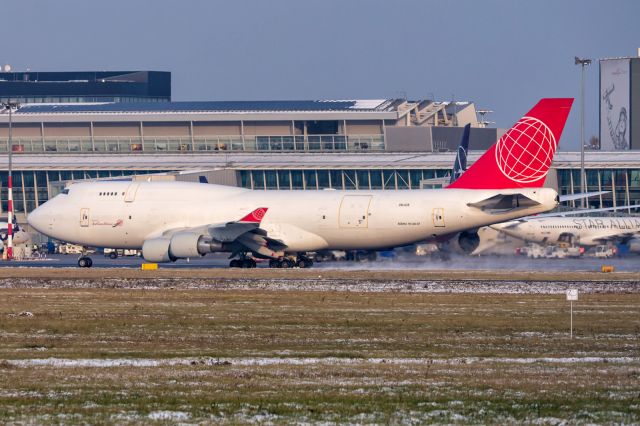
{"x": 169, "y": 415}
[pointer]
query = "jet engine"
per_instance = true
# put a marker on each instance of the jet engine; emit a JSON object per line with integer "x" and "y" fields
{"x": 187, "y": 244}
{"x": 634, "y": 245}
{"x": 157, "y": 250}
{"x": 468, "y": 241}
{"x": 179, "y": 246}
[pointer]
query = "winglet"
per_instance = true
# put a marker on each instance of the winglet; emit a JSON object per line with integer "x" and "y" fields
{"x": 255, "y": 216}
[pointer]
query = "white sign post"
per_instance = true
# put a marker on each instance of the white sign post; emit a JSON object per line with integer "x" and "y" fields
{"x": 572, "y": 294}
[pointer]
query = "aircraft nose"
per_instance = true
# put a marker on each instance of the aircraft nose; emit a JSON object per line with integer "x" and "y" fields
{"x": 38, "y": 219}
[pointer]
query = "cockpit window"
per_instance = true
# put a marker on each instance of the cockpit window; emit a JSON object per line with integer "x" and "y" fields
{"x": 65, "y": 191}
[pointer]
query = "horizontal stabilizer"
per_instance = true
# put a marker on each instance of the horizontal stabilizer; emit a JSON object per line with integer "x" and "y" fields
{"x": 504, "y": 202}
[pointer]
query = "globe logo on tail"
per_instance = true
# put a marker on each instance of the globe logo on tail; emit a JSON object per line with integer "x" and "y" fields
{"x": 258, "y": 214}
{"x": 525, "y": 152}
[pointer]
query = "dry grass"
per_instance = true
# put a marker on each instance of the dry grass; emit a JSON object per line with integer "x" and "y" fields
{"x": 165, "y": 323}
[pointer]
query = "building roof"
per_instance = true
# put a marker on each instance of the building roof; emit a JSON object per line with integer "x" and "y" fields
{"x": 382, "y": 105}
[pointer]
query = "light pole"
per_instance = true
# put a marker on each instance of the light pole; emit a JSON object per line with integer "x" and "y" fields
{"x": 9, "y": 106}
{"x": 583, "y": 184}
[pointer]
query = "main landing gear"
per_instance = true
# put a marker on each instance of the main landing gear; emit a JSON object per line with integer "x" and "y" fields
{"x": 301, "y": 261}
{"x": 242, "y": 263}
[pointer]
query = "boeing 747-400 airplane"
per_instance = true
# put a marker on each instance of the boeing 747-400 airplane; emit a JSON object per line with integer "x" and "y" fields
{"x": 175, "y": 220}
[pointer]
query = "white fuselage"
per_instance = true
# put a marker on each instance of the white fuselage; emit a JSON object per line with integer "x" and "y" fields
{"x": 133, "y": 212}
{"x": 586, "y": 231}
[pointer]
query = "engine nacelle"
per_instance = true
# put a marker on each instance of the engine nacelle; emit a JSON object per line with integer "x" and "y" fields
{"x": 468, "y": 241}
{"x": 188, "y": 244}
{"x": 157, "y": 250}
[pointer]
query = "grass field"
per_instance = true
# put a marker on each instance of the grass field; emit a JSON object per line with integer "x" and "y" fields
{"x": 92, "y": 355}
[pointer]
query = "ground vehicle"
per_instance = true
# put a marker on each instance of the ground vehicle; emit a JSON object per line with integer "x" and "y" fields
{"x": 562, "y": 252}
{"x": 115, "y": 253}
{"x": 533, "y": 251}
{"x": 604, "y": 251}
{"x": 69, "y": 249}
{"x": 426, "y": 249}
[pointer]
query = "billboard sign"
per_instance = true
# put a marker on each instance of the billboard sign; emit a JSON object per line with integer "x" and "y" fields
{"x": 615, "y": 96}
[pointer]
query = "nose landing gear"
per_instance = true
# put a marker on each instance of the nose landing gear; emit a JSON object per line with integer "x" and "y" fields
{"x": 85, "y": 262}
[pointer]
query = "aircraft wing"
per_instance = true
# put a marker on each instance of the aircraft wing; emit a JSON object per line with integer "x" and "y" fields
{"x": 575, "y": 212}
{"x": 241, "y": 235}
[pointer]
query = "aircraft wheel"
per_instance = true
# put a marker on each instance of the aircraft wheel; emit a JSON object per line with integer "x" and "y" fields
{"x": 300, "y": 263}
{"x": 286, "y": 263}
{"x": 85, "y": 262}
{"x": 273, "y": 263}
{"x": 308, "y": 263}
{"x": 113, "y": 255}
{"x": 248, "y": 263}
{"x": 235, "y": 263}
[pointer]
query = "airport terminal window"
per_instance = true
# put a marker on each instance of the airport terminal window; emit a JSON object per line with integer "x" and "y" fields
{"x": 270, "y": 179}
{"x": 349, "y": 179}
{"x": 258, "y": 179}
{"x": 296, "y": 179}
{"x": 363, "y": 179}
{"x": 376, "y": 179}
{"x": 336, "y": 179}
{"x": 310, "y": 180}
{"x": 245, "y": 179}
{"x": 284, "y": 182}
{"x": 389, "y": 179}
{"x": 323, "y": 179}
{"x": 403, "y": 179}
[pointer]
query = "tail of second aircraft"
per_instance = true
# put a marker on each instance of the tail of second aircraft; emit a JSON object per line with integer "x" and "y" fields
{"x": 523, "y": 155}
{"x": 460, "y": 164}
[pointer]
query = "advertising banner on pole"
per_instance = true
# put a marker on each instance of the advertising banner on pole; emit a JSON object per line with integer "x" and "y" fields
{"x": 614, "y": 104}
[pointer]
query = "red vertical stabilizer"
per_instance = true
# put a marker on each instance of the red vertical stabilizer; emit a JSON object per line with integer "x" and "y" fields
{"x": 523, "y": 155}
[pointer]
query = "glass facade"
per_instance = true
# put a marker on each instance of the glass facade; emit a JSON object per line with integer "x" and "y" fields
{"x": 78, "y": 99}
{"x": 312, "y": 143}
{"x": 623, "y": 184}
{"x": 32, "y": 188}
{"x": 337, "y": 179}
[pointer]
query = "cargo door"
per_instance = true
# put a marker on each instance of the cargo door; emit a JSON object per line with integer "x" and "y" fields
{"x": 354, "y": 211}
{"x": 84, "y": 218}
{"x": 438, "y": 217}
{"x": 130, "y": 195}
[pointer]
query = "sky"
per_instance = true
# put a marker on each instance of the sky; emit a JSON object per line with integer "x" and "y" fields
{"x": 501, "y": 54}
